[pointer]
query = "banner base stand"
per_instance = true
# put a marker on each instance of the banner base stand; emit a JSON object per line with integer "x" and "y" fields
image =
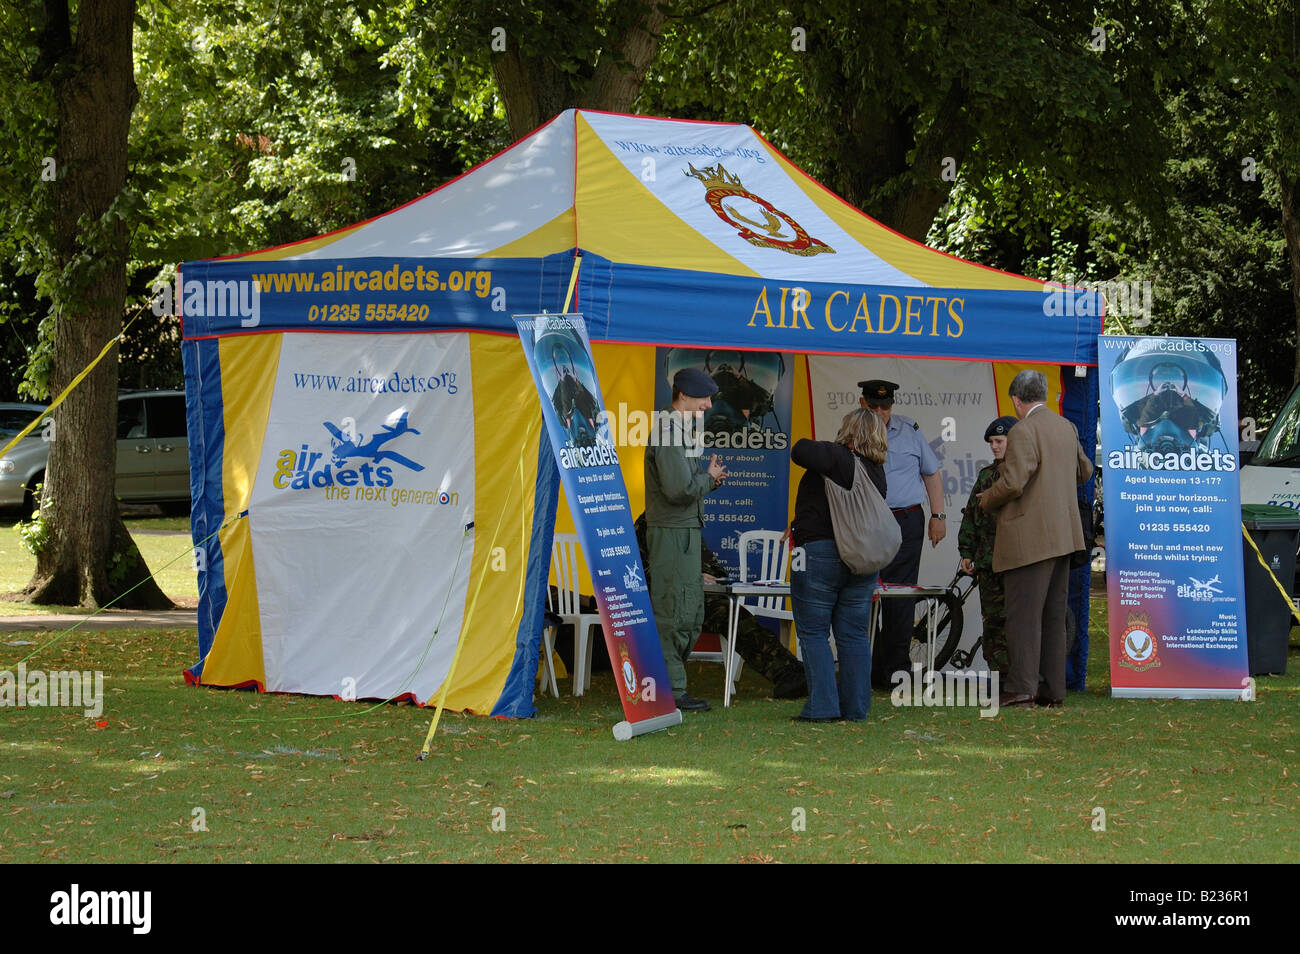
{"x": 624, "y": 731}
{"x": 1131, "y": 692}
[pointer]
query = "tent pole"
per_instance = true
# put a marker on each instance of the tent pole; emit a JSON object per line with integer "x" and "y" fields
{"x": 573, "y": 281}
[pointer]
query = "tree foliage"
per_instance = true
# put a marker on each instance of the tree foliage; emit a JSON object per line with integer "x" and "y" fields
{"x": 1103, "y": 141}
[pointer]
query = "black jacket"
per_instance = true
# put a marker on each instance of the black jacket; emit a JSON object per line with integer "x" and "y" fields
{"x": 812, "y": 514}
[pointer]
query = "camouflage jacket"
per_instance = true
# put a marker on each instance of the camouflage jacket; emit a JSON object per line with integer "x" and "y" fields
{"x": 975, "y": 538}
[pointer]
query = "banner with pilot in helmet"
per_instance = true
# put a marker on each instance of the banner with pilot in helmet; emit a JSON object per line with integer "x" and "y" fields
{"x": 559, "y": 356}
{"x": 1174, "y": 578}
{"x": 748, "y": 427}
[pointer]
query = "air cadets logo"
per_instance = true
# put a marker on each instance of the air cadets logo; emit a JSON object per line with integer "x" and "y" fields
{"x": 1203, "y": 591}
{"x": 346, "y": 446}
{"x": 633, "y": 581}
{"x": 353, "y": 460}
{"x": 731, "y": 201}
{"x": 629, "y": 674}
{"x": 1138, "y": 645}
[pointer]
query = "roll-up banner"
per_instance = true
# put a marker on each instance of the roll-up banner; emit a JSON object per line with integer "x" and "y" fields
{"x": 1174, "y": 579}
{"x": 559, "y": 356}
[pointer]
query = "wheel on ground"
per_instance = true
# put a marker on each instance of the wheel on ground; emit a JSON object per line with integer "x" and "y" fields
{"x": 947, "y": 631}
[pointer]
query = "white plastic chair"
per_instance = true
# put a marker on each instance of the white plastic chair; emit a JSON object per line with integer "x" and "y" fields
{"x": 772, "y": 563}
{"x": 564, "y": 561}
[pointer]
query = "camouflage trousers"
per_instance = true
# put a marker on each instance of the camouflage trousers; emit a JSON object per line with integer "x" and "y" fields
{"x": 758, "y": 646}
{"x": 993, "y": 609}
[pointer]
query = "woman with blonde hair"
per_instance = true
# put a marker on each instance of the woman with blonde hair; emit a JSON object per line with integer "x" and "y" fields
{"x": 824, "y": 592}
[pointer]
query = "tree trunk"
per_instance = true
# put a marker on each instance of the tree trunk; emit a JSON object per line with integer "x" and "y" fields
{"x": 89, "y": 558}
{"x": 1291, "y": 230}
{"x": 947, "y": 137}
{"x": 534, "y": 89}
{"x": 621, "y": 72}
{"x": 884, "y": 170}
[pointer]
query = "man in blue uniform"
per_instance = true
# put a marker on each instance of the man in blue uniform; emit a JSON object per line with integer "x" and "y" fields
{"x": 912, "y": 477}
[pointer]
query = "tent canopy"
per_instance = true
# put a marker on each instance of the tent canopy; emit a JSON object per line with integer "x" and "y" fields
{"x": 690, "y": 234}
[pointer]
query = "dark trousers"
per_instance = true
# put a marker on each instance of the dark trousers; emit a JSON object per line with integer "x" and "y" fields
{"x": 1036, "y": 597}
{"x": 898, "y": 616}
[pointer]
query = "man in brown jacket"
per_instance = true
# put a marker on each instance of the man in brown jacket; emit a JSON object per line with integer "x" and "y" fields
{"x": 1038, "y": 529}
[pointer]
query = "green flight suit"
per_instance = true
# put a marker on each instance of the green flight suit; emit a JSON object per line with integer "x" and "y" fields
{"x": 675, "y": 488}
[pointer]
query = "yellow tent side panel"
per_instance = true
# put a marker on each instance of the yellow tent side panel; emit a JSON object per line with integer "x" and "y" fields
{"x": 1004, "y": 371}
{"x": 236, "y": 654}
{"x": 247, "y": 363}
{"x": 507, "y": 429}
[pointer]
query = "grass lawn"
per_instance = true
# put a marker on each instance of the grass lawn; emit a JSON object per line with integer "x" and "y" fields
{"x": 160, "y": 539}
{"x": 284, "y": 778}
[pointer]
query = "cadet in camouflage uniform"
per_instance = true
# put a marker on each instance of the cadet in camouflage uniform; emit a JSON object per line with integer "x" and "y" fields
{"x": 757, "y": 645}
{"x": 675, "y": 488}
{"x": 975, "y": 546}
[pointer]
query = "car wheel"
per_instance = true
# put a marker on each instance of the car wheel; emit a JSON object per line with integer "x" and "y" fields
{"x": 175, "y": 508}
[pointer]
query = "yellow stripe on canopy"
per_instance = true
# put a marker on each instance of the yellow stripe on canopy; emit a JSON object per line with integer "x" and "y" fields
{"x": 555, "y": 236}
{"x": 621, "y": 220}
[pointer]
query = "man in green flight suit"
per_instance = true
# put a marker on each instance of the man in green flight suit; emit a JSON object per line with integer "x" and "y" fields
{"x": 975, "y": 547}
{"x": 675, "y": 488}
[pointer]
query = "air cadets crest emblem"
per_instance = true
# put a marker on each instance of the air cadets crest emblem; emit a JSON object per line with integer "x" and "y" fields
{"x": 755, "y": 219}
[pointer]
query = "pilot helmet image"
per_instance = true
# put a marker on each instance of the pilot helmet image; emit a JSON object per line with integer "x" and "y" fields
{"x": 562, "y": 360}
{"x": 746, "y": 380}
{"x": 1169, "y": 393}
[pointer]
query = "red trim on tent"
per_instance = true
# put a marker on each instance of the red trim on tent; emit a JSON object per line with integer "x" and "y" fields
{"x": 647, "y": 344}
{"x": 849, "y": 354}
{"x": 190, "y": 680}
{"x": 254, "y": 684}
{"x": 576, "y": 244}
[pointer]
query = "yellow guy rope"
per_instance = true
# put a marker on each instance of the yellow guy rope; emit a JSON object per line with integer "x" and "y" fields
{"x": 1285, "y": 595}
{"x": 64, "y": 393}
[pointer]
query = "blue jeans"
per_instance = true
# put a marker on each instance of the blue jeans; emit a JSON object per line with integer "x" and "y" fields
{"x": 824, "y": 595}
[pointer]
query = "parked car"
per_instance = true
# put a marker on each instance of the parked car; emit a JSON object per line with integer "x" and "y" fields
{"x": 153, "y": 458}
